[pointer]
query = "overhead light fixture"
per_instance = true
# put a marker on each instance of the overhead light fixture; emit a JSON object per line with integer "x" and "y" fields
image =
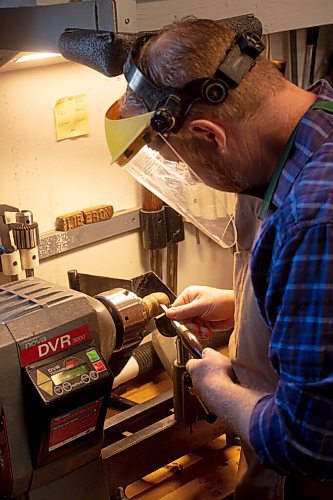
{"x": 11, "y": 60}
{"x": 36, "y": 56}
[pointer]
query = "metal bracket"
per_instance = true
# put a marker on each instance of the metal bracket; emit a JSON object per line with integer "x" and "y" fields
{"x": 125, "y": 16}
{"x": 54, "y": 243}
{"x": 38, "y": 28}
{"x": 104, "y": 15}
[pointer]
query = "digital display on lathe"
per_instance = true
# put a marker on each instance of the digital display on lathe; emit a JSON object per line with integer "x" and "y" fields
{"x": 65, "y": 376}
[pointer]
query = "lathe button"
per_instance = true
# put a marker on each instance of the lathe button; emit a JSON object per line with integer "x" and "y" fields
{"x": 99, "y": 366}
{"x": 85, "y": 378}
{"x": 47, "y": 387}
{"x": 42, "y": 378}
{"x": 93, "y": 356}
{"x": 67, "y": 386}
{"x": 58, "y": 390}
{"x": 94, "y": 375}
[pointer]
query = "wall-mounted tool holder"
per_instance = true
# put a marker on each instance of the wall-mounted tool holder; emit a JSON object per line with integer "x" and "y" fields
{"x": 19, "y": 238}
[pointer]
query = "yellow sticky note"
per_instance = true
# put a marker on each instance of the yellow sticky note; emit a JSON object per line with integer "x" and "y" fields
{"x": 71, "y": 117}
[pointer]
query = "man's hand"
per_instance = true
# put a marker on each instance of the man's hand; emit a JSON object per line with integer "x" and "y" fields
{"x": 204, "y": 309}
{"x": 206, "y": 372}
{"x": 212, "y": 379}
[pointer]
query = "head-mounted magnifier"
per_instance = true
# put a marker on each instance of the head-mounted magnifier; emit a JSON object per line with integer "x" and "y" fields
{"x": 142, "y": 142}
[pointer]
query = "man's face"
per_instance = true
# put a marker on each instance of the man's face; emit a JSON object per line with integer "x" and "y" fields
{"x": 215, "y": 169}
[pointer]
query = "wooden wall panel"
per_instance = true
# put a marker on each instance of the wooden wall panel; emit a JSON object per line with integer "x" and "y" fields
{"x": 275, "y": 15}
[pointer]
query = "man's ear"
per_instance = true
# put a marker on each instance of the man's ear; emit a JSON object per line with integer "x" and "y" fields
{"x": 210, "y": 132}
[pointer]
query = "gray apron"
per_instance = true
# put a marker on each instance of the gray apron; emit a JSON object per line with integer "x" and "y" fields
{"x": 248, "y": 351}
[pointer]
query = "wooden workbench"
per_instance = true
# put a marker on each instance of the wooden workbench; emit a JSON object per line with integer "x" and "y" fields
{"x": 209, "y": 473}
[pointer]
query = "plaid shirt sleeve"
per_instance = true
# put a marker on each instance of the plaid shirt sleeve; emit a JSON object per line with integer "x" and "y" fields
{"x": 292, "y": 430}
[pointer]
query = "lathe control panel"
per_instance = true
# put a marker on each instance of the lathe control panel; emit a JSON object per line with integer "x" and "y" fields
{"x": 61, "y": 377}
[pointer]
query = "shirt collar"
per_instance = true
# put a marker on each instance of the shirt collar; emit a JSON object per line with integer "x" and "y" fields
{"x": 314, "y": 128}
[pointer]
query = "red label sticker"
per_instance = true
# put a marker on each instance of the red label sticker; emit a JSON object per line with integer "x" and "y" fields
{"x": 41, "y": 347}
{"x": 74, "y": 425}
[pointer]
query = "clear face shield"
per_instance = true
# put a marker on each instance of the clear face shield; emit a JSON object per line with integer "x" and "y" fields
{"x": 140, "y": 144}
{"x": 153, "y": 162}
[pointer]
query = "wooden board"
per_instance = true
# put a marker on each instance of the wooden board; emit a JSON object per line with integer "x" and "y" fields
{"x": 274, "y": 15}
{"x": 209, "y": 473}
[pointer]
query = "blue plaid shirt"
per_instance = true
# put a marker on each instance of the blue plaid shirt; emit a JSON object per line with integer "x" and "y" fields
{"x": 292, "y": 272}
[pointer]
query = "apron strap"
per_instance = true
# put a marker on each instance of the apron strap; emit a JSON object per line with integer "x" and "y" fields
{"x": 325, "y": 106}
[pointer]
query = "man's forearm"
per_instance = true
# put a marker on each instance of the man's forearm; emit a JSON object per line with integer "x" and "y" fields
{"x": 212, "y": 381}
{"x": 233, "y": 404}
